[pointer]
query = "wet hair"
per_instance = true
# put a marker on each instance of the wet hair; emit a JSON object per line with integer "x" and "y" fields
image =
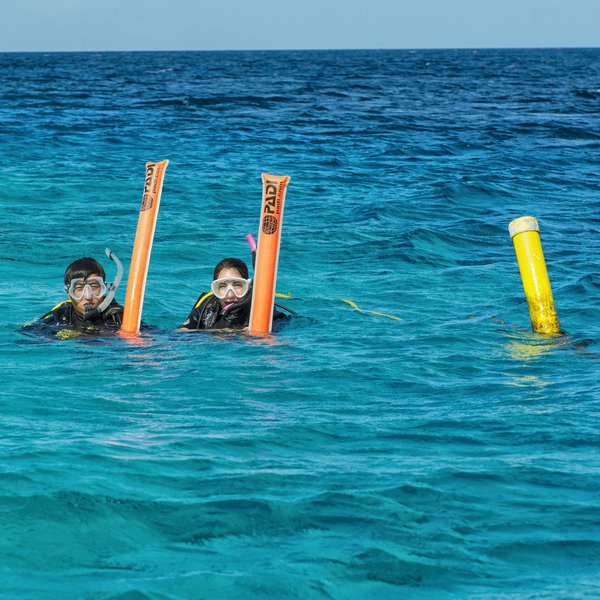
{"x": 231, "y": 263}
{"x": 83, "y": 267}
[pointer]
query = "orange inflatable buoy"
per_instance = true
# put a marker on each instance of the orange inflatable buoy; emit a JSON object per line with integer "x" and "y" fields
{"x": 142, "y": 247}
{"x": 267, "y": 254}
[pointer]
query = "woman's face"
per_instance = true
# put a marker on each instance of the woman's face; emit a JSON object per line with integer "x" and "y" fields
{"x": 230, "y": 297}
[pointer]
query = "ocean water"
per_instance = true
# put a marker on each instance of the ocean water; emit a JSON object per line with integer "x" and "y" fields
{"x": 449, "y": 454}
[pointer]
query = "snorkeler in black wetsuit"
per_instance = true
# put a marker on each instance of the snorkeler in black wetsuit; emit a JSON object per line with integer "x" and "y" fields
{"x": 91, "y": 306}
{"x": 208, "y": 313}
{"x": 228, "y": 304}
{"x": 65, "y": 314}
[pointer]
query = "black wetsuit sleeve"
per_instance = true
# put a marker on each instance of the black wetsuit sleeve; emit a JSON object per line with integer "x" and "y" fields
{"x": 48, "y": 319}
{"x": 277, "y": 314}
{"x": 60, "y": 315}
{"x": 193, "y": 320}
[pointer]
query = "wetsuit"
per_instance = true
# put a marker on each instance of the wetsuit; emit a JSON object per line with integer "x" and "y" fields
{"x": 209, "y": 314}
{"x": 64, "y": 314}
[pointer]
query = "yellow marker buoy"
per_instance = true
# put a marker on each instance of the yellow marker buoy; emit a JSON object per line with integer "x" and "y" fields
{"x": 525, "y": 234}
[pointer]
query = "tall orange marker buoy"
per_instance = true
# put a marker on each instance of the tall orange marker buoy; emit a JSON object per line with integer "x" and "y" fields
{"x": 142, "y": 247}
{"x": 267, "y": 254}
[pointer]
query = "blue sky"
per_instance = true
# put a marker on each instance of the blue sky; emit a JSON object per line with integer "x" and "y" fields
{"x": 53, "y": 25}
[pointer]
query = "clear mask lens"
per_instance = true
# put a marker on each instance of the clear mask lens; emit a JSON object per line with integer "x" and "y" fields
{"x": 88, "y": 288}
{"x": 238, "y": 285}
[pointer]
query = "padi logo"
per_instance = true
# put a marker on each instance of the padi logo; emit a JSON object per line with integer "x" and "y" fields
{"x": 269, "y": 225}
{"x": 271, "y": 198}
{"x": 148, "y": 197}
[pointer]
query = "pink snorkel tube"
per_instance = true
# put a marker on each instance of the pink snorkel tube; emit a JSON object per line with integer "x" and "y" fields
{"x": 252, "y": 244}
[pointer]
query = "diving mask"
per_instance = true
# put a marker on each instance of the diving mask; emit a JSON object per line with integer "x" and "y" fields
{"x": 86, "y": 287}
{"x": 238, "y": 285}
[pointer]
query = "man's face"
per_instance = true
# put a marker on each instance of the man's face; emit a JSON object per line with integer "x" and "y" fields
{"x": 86, "y": 294}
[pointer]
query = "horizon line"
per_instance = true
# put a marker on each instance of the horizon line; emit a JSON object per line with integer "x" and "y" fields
{"x": 372, "y": 49}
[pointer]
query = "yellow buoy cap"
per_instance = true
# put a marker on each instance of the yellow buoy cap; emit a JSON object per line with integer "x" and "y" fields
{"x": 521, "y": 225}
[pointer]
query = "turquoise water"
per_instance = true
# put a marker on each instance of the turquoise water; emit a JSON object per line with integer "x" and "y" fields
{"x": 450, "y": 454}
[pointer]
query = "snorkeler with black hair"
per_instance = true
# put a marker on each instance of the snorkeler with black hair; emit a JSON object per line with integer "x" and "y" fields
{"x": 90, "y": 305}
{"x": 228, "y": 304}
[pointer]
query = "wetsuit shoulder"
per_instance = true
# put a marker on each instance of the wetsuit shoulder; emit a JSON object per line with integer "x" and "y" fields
{"x": 61, "y": 314}
{"x": 203, "y": 298}
{"x": 195, "y": 320}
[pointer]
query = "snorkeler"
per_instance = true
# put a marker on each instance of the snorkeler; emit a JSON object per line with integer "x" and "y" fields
{"x": 228, "y": 304}
{"x": 90, "y": 304}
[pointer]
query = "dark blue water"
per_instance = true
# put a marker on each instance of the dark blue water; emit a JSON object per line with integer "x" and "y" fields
{"x": 449, "y": 454}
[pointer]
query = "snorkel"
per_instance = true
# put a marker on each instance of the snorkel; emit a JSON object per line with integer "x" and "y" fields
{"x": 252, "y": 244}
{"x": 112, "y": 288}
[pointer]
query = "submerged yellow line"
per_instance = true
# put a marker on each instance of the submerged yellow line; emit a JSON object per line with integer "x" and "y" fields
{"x": 371, "y": 312}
